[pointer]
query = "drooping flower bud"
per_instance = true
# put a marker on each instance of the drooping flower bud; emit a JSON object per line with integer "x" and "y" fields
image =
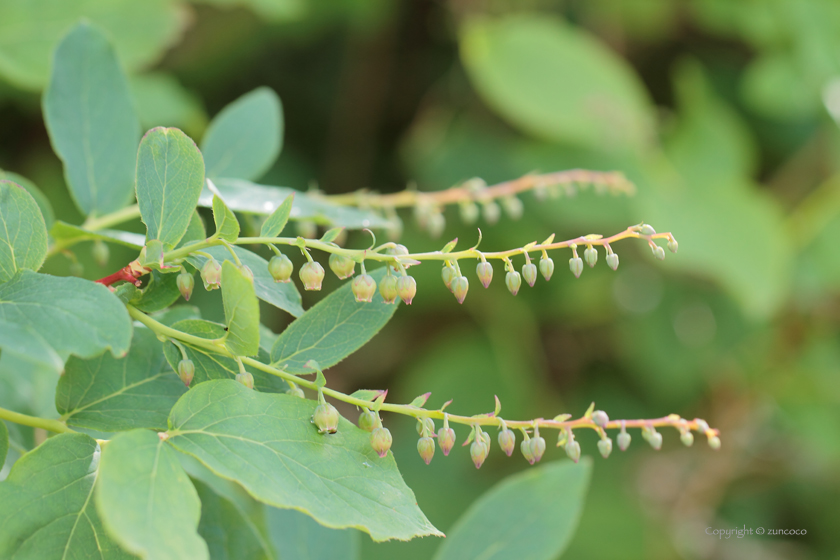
{"x": 185, "y": 283}
{"x": 368, "y": 420}
{"x": 612, "y": 260}
{"x": 546, "y": 268}
{"x": 529, "y": 273}
{"x": 576, "y": 266}
{"x": 600, "y": 418}
{"x": 513, "y": 280}
{"x": 425, "y": 424}
{"x": 624, "y": 440}
{"x": 507, "y": 441}
{"x": 436, "y": 224}
{"x": 280, "y": 267}
{"x": 446, "y": 439}
{"x": 186, "y": 371}
{"x": 364, "y": 286}
{"x": 658, "y": 252}
{"x": 687, "y": 438}
{"x": 77, "y": 269}
{"x": 478, "y": 452}
{"x": 247, "y": 273}
{"x": 484, "y": 271}
{"x": 527, "y": 452}
{"x": 101, "y": 253}
{"x": 295, "y": 391}
{"x": 326, "y": 418}
{"x": 647, "y": 229}
{"x": 312, "y": 274}
{"x": 572, "y": 449}
{"x": 537, "y": 447}
{"x": 211, "y": 274}
{"x": 380, "y": 440}
{"x": 388, "y": 288}
{"x": 342, "y": 266}
{"x": 513, "y": 207}
{"x": 246, "y": 379}
{"x": 702, "y": 425}
{"x": 448, "y": 274}
{"x": 460, "y": 285}
{"x": 426, "y": 449}
{"x": 673, "y": 246}
{"x": 406, "y": 288}
{"x": 655, "y": 440}
{"x": 605, "y": 447}
{"x": 591, "y": 256}
{"x": 492, "y": 212}
{"x": 714, "y": 442}
{"x": 469, "y": 212}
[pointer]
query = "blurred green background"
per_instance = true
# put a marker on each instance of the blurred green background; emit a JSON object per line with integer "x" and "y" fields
{"x": 722, "y": 112}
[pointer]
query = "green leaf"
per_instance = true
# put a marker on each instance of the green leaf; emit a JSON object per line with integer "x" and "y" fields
{"x": 47, "y": 509}
{"x": 4, "y": 443}
{"x": 110, "y": 395}
{"x": 27, "y": 345}
{"x": 227, "y": 226}
{"x": 62, "y": 231}
{"x": 555, "y": 81}
{"x": 91, "y": 121}
{"x": 532, "y": 514}
{"x": 210, "y": 365}
{"x": 268, "y": 444}
{"x": 242, "y": 311}
{"x": 195, "y": 231}
{"x": 298, "y": 536}
{"x": 283, "y": 295}
{"x": 23, "y": 234}
{"x": 331, "y": 234}
{"x": 244, "y": 196}
{"x": 41, "y": 200}
{"x": 229, "y": 534}
{"x": 146, "y": 500}
{"x": 274, "y": 224}
{"x": 159, "y": 293}
{"x": 30, "y": 30}
{"x": 332, "y": 329}
{"x": 244, "y": 139}
{"x": 74, "y": 316}
{"x": 170, "y": 175}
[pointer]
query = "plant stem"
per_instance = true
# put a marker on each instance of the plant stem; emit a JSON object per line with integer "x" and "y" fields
{"x": 34, "y": 421}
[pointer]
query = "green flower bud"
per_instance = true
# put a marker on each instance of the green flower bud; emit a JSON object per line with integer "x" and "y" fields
{"x": 612, "y": 261}
{"x": 478, "y": 452}
{"x": 484, "y": 271}
{"x": 460, "y": 286}
{"x": 398, "y": 250}
{"x": 368, "y": 420}
{"x": 312, "y": 274}
{"x": 448, "y": 274}
{"x": 380, "y": 440}
{"x": 469, "y": 212}
{"x": 513, "y": 280}
{"x": 246, "y": 379}
{"x": 446, "y": 440}
{"x": 211, "y": 275}
{"x": 647, "y": 230}
{"x": 687, "y": 438}
{"x": 658, "y": 252}
{"x": 343, "y": 267}
{"x": 714, "y": 442}
{"x": 513, "y": 207}
{"x": 326, "y": 418}
{"x": 590, "y": 255}
{"x": 100, "y": 252}
{"x": 529, "y": 273}
{"x": 492, "y": 212}
{"x": 436, "y": 224}
{"x": 576, "y": 266}
{"x": 186, "y": 371}
{"x": 281, "y": 268}
{"x": 702, "y": 425}
{"x": 527, "y": 452}
{"x": 507, "y": 441}
{"x": 485, "y": 437}
{"x": 364, "y": 286}
{"x": 600, "y": 418}
{"x": 426, "y": 449}
{"x": 546, "y": 268}
{"x": 537, "y": 448}
{"x": 673, "y": 246}
{"x": 624, "y": 441}
{"x": 185, "y": 283}
{"x": 572, "y": 449}
{"x": 426, "y": 423}
{"x": 76, "y": 269}
{"x": 407, "y": 288}
{"x": 295, "y": 391}
{"x": 605, "y": 447}
{"x": 388, "y": 288}
{"x": 655, "y": 440}
{"x": 247, "y": 273}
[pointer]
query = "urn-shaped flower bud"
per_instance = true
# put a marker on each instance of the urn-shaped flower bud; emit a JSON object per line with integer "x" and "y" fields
{"x": 312, "y": 274}
{"x": 326, "y": 418}
{"x": 600, "y": 418}
{"x": 425, "y": 423}
{"x": 605, "y": 447}
{"x": 513, "y": 207}
{"x": 426, "y": 449}
{"x": 186, "y": 371}
{"x": 280, "y": 267}
{"x": 529, "y": 273}
{"x": 687, "y": 438}
{"x": 364, "y": 286}
{"x": 572, "y": 449}
{"x": 295, "y": 391}
{"x": 590, "y": 255}
{"x": 537, "y": 448}
{"x": 612, "y": 261}
{"x": 406, "y": 288}
{"x": 246, "y": 379}
{"x": 380, "y": 440}
{"x": 624, "y": 441}
{"x": 507, "y": 441}
{"x": 655, "y": 440}
{"x": 469, "y": 212}
{"x": 513, "y": 280}
{"x": 546, "y": 267}
{"x": 448, "y": 274}
{"x": 658, "y": 252}
{"x": 211, "y": 274}
{"x": 185, "y": 283}
{"x": 576, "y": 266}
{"x": 368, "y": 420}
{"x": 527, "y": 452}
{"x": 436, "y": 224}
{"x": 247, "y": 272}
{"x": 673, "y": 246}
{"x": 647, "y": 229}
{"x": 714, "y": 442}
{"x": 478, "y": 452}
{"x": 343, "y": 267}
{"x": 484, "y": 271}
{"x": 446, "y": 439}
{"x": 460, "y": 285}
{"x": 101, "y": 253}
{"x": 388, "y": 288}
{"x": 492, "y": 212}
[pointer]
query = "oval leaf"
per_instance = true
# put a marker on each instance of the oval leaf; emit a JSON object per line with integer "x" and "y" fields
{"x": 23, "y": 234}
{"x": 275, "y": 223}
{"x": 227, "y": 226}
{"x": 298, "y": 536}
{"x": 40, "y": 199}
{"x": 242, "y": 311}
